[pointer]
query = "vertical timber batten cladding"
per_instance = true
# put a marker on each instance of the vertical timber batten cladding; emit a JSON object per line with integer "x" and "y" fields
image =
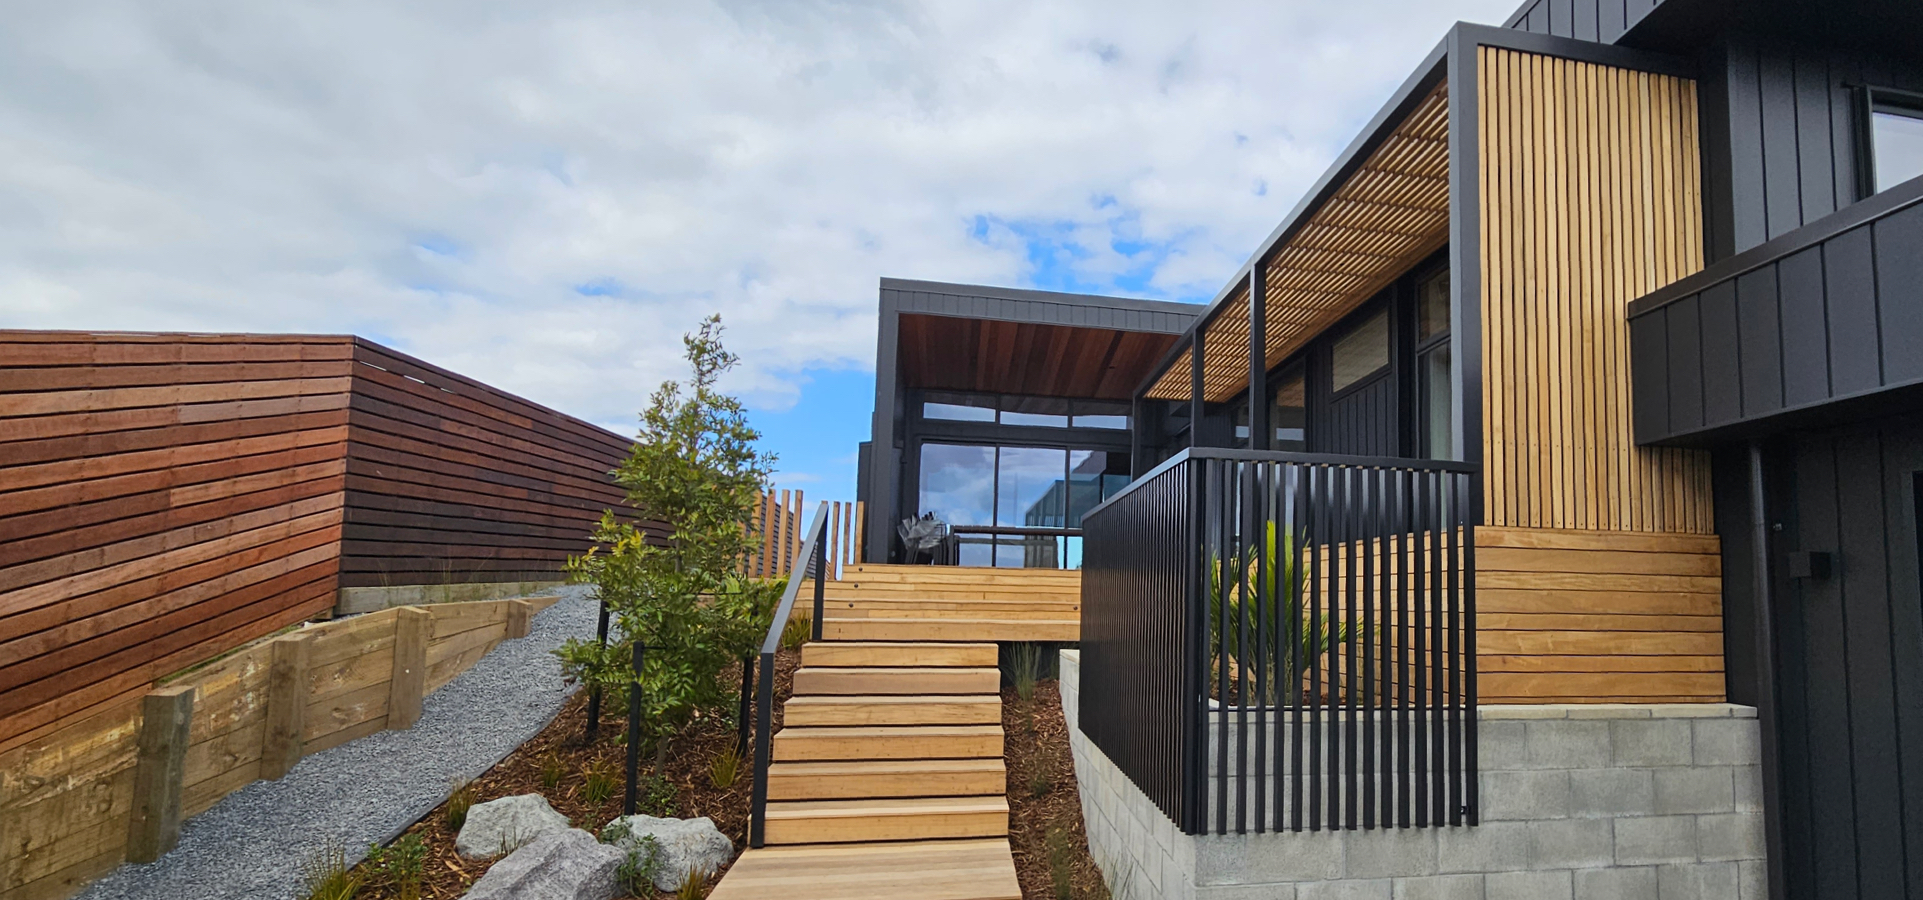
{"x": 1599, "y": 577}
{"x": 165, "y": 498}
{"x": 1591, "y": 198}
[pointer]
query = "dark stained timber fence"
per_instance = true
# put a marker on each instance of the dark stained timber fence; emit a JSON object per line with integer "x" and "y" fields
{"x": 1285, "y": 641}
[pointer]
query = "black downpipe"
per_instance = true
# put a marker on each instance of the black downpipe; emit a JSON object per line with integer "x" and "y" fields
{"x": 1764, "y": 588}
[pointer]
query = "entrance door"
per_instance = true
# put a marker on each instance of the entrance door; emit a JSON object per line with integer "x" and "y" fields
{"x": 1850, "y": 674}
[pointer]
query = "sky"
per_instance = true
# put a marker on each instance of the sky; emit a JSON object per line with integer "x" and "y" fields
{"x": 546, "y": 195}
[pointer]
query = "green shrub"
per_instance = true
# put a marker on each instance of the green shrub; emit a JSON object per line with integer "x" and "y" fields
{"x": 800, "y": 627}
{"x": 400, "y": 865}
{"x": 637, "y": 870}
{"x": 657, "y": 797}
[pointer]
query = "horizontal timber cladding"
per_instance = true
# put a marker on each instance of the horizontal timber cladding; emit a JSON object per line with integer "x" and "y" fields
{"x": 1590, "y": 186}
{"x": 449, "y": 480}
{"x": 163, "y": 498}
{"x": 1598, "y": 617}
{"x": 66, "y": 794}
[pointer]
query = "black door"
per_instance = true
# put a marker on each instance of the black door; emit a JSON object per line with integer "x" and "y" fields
{"x": 1850, "y": 665}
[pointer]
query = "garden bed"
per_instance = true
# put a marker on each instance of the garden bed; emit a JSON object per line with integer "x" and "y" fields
{"x": 557, "y": 764}
{"x": 1044, "y": 806}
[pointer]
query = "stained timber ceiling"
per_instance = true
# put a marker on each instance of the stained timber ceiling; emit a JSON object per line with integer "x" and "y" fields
{"x": 1000, "y": 357}
{"x": 1389, "y": 215}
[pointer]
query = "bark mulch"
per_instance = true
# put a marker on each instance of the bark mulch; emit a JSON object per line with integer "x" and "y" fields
{"x": 559, "y": 749}
{"x": 1044, "y": 808}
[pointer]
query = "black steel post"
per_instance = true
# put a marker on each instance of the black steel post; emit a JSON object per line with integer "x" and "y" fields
{"x": 1196, "y": 401}
{"x": 634, "y": 731}
{"x": 1260, "y": 434}
{"x": 821, "y": 577}
{"x": 764, "y": 723}
{"x": 741, "y": 717}
{"x": 594, "y": 691}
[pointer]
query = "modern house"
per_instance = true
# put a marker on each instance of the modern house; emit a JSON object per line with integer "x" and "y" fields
{"x": 1535, "y": 513}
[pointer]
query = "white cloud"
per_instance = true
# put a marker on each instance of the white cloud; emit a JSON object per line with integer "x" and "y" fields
{"x": 545, "y": 195}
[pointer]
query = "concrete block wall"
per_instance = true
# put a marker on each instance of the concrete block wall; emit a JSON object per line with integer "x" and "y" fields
{"x": 1584, "y": 802}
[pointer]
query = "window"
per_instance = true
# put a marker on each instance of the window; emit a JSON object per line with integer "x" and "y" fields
{"x": 1361, "y": 353}
{"x": 958, "y": 483}
{"x": 1289, "y": 413}
{"x": 1435, "y": 412}
{"x": 1101, "y": 421}
{"x": 1896, "y": 138}
{"x": 956, "y": 413}
{"x": 987, "y": 487}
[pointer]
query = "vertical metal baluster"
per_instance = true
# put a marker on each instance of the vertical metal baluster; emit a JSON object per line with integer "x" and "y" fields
{"x": 1298, "y": 489}
{"x": 1364, "y": 703}
{"x": 1438, "y": 707}
{"x": 1338, "y": 595}
{"x": 1419, "y": 640}
{"x": 1219, "y": 563}
{"x": 1467, "y": 484}
{"x": 1405, "y": 694}
{"x": 1351, "y": 650}
{"x": 1257, "y": 502}
{"x": 1240, "y": 473}
{"x": 1456, "y": 793}
{"x": 1311, "y": 624}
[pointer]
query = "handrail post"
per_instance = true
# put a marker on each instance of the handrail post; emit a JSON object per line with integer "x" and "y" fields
{"x": 741, "y": 717}
{"x": 821, "y": 577}
{"x": 764, "y": 723}
{"x": 634, "y": 729}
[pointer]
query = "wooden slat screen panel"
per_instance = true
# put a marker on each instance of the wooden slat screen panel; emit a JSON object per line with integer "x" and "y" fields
{"x": 451, "y": 481}
{"x": 163, "y": 498}
{"x": 1591, "y": 198}
{"x": 1598, "y": 617}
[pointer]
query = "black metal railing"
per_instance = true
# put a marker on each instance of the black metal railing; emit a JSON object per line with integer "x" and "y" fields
{"x": 1286, "y": 641}
{"x": 815, "y": 551}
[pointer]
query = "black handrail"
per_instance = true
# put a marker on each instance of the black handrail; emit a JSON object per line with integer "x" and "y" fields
{"x": 815, "y": 551}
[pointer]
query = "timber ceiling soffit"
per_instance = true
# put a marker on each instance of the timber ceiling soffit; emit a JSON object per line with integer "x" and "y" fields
{"x": 1388, "y": 216}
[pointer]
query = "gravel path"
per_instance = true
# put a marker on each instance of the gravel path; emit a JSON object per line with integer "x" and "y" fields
{"x": 255, "y": 842}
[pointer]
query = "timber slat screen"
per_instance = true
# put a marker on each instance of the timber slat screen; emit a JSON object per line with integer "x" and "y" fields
{"x": 778, "y": 520}
{"x": 1283, "y": 641}
{"x": 166, "y": 498}
{"x": 450, "y": 480}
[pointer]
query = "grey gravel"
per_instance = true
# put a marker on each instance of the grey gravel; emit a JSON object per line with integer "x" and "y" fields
{"x": 256, "y": 841}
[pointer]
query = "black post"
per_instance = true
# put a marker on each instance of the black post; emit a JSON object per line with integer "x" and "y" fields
{"x": 634, "y": 731}
{"x": 764, "y": 723}
{"x": 594, "y": 691}
{"x": 741, "y": 718}
{"x": 1196, "y": 382}
{"x": 1259, "y": 432}
{"x": 1763, "y": 590}
{"x": 821, "y": 576}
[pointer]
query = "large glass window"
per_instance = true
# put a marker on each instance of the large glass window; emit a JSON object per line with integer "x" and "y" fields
{"x": 958, "y": 483}
{"x": 1361, "y": 353}
{"x": 1896, "y": 132}
{"x": 980, "y": 488}
{"x": 1435, "y": 414}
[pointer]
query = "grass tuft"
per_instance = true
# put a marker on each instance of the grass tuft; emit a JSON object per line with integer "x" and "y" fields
{"x": 464, "y": 796}
{"x": 553, "y": 769}
{"x": 1025, "y": 669}
{"x": 799, "y": 629}
{"x": 327, "y": 876}
{"x": 1061, "y": 863}
{"x": 692, "y": 886}
{"x": 598, "y": 784}
{"x": 724, "y": 768}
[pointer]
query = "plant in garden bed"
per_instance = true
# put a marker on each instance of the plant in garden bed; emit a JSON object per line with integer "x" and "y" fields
{"x": 399, "y": 865}
{"x": 457, "y": 805}
{"x": 694, "y": 469}
{"x": 327, "y": 877}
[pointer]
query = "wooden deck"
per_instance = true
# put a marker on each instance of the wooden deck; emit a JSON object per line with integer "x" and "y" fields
{"x": 887, "y": 779}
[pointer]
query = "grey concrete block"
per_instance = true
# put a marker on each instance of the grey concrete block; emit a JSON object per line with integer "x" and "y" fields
{"x": 1390, "y": 853}
{"x": 1702, "y": 789}
{"x": 1730, "y": 836}
{"x": 1439, "y": 887}
{"x": 1749, "y": 788}
{"x": 1653, "y": 840}
{"x": 1526, "y": 794}
{"x": 1698, "y": 881}
{"x": 1611, "y": 792}
{"x": 1650, "y": 742}
{"x": 1502, "y": 745}
{"x": 1727, "y": 742}
{"x": 1381, "y": 889}
{"x": 1619, "y": 883}
{"x": 1246, "y": 892}
{"x": 1572, "y": 844}
{"x": 1752, "y": 880}
{"x": 1568, "y": 744}
{"x": 1528, "y": 886}
{"x": 1490, "y": 847}
{"x": 1250, "y": 859}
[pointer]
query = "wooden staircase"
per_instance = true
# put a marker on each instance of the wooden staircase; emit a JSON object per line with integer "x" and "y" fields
{"x": 887, "y": 778}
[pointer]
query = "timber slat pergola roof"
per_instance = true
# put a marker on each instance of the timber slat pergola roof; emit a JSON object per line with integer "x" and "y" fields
{"x": 1391, "y": 213}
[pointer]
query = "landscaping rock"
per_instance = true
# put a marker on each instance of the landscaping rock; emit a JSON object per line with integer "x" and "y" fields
{"x": 562, "y": 865}
{"x": 687, "y": 845}
{"x": 499, "y": 826}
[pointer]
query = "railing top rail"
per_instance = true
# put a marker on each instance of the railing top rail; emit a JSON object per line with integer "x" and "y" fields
{"x": 1408, "y": 464}
{"x": 786, "y": 608}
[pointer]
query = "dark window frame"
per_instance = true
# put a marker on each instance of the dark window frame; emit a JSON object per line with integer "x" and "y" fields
{"x": 1870, "y": 100}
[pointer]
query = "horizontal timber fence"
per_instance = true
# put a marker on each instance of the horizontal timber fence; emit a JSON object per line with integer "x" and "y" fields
{"x": 1283, "y": 641}
{"x": 778, "y": 524}
{"x": 165, "y": 498}
{"x": 79, "y": 801}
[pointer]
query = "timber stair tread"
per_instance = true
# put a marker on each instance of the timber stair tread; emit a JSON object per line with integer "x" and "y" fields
{"x": 924, "y": 870}
{"x": 874, "y": 779}
{"x": 898, "y": 654}
{"x": 867, "y": 820}
{"x": 884, "y": 680}
{"x": 888, "y": 742}
{"x": 892, "y": 709}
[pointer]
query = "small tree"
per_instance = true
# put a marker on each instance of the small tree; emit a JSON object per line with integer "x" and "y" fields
{"x": 694, "y": 470}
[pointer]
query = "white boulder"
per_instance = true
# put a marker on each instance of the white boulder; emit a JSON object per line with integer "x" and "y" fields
{"x": 686, "y": 845}
{"x": 500, "y": 826}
